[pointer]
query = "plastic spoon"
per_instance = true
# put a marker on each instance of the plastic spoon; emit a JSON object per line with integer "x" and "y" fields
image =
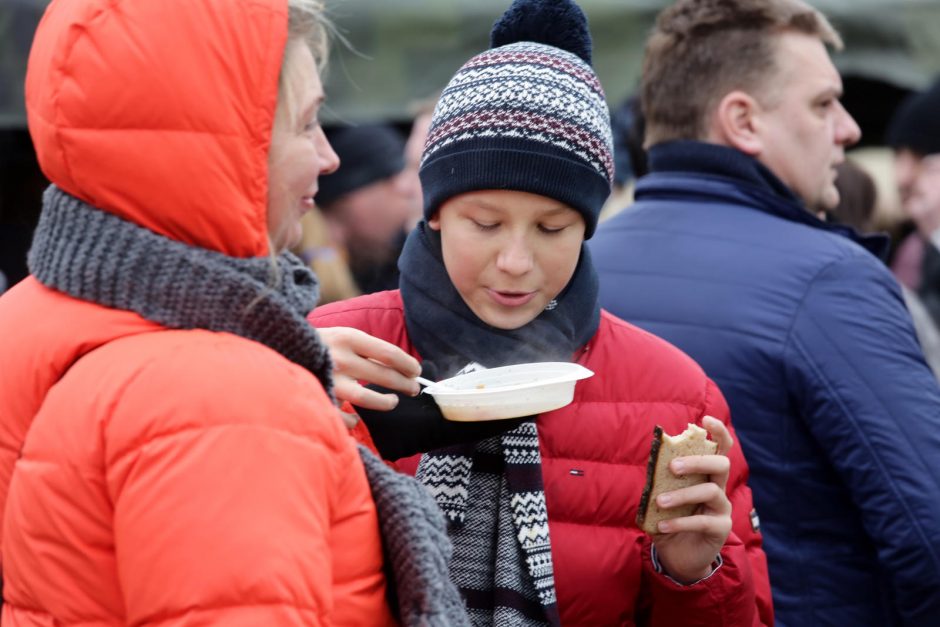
{"x": 425, "y": 382}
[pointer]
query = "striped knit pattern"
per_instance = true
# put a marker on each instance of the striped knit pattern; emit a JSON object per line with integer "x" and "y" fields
{"x": 447, "y": 478}
{"x": 530, "y": 91}
{"x": 525, "y": 116}
{"x": 493, "y": 497}
{"x": 529, "y": 510}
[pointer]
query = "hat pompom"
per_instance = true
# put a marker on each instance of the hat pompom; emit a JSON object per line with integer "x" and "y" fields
{"x": 558, "y": 23}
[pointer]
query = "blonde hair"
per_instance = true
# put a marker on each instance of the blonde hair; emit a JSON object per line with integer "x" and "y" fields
{"x": 307, "y": 21}
{"x": 307, "y": 25}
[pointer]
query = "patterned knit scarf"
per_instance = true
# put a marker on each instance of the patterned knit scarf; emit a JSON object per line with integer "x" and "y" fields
{"x": 417, "y": 550}
{"x": 95, "y": 256}
{"x": 492, "y": 492}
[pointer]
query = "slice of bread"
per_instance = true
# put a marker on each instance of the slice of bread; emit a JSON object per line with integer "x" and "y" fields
{"x": 659, "y": 478}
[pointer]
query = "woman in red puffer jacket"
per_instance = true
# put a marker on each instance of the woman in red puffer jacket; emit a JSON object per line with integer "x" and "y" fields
{"x": 169, "y": 450}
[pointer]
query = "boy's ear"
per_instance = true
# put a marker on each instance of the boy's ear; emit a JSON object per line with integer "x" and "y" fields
{"x": 435, "y": 221}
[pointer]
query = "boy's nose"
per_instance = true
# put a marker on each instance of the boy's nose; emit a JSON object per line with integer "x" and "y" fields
{"x": 515, "y": 258}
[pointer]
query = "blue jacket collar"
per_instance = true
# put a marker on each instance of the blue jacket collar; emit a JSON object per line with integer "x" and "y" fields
{"x": 761, "y": 188}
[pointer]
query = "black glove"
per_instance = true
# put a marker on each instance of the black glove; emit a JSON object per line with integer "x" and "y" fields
{"x": 416, "y": 425}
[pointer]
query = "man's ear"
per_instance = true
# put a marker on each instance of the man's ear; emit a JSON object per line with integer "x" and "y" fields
{"x": 735, "y": 123}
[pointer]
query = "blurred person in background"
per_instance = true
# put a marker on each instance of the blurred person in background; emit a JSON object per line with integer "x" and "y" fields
{"x": 414, "y": 148}
{"x": 858, "y": 198}
{"x": 170, "y": 450}
{"x": 798, "y": 321}
{"x": 326, "y": 259}
{"x": 369, "y": 201}
{"x": 914, "y": 134}
{"x": 923, "y": 205}
{"x": 626, "y": 123}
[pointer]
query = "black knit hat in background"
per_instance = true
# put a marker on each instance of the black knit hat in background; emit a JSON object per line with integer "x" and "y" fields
{"x": 367, "y": 153}
{"x": 527, "y": 115}
{"x": 916, "y": 123}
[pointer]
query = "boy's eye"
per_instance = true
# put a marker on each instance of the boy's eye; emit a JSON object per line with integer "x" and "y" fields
{"x": 550, "y": 229}
{"x": 485, "y": 226}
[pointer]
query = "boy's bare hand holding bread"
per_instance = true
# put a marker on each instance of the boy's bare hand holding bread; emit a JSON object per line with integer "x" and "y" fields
{"x": 684, "y": 506}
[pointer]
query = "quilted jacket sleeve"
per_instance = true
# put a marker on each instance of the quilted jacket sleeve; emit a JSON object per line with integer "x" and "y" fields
{"x": 871, "y": 402}
{"x": 743, "y": 515}
{"x": 738, "y": 593}
{"x": 727, "y": 597}
{"x": 222, "y": 512}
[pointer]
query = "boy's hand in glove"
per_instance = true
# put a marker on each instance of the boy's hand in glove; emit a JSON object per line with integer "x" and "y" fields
{"x": 416, "y": 425}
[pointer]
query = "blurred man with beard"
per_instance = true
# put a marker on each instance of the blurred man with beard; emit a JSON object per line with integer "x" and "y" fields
{"x": 914, "y": 134}
{"x": 368, "y": 202}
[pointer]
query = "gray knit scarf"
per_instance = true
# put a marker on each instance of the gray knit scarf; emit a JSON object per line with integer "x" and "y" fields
{"x": 96, "y": 256}
{"x": 417, "y": 549}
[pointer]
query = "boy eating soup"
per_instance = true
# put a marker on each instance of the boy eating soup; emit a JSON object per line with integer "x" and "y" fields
{"x": 516, "y": 168}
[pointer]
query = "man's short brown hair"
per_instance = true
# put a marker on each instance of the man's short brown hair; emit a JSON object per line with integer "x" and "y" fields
{"x": 700, "y": 50}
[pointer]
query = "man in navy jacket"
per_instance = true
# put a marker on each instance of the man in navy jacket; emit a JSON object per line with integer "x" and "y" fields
{"x": 798, "y": 321}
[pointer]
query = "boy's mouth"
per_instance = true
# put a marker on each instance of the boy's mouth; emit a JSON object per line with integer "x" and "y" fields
{"x": 511, "y": 299}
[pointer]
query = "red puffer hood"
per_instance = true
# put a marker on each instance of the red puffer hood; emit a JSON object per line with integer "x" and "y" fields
{"x": 161, "y": 112}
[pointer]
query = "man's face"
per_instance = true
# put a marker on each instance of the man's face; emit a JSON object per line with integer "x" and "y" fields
{"x": 803, "y": 127}
{"x": 920, "y": 191}
{"x": 414, "y": 149}
{"x": 907, "y": 166}
{"x": 372, "y": 218}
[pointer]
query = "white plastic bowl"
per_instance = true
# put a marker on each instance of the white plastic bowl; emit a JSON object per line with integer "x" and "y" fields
{"x": 508, "y": 392}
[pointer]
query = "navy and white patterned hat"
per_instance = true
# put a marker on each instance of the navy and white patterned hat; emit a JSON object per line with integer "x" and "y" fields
{"x": 528, "y": 115}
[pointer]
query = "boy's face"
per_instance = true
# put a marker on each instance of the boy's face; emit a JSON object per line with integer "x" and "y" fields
{"x": 508, "y": 253}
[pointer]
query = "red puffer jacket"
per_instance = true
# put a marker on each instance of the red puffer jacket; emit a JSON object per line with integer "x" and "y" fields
{"x": 163, "y": 477}
{"x": 594, "y": 454}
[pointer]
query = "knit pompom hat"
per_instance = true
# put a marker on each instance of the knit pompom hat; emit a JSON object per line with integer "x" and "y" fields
{"x": 916, "y": 124}
{"x": 528, "y": 115}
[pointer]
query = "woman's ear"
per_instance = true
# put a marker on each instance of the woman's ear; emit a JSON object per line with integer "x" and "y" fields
{"x": 735, "y": 123}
